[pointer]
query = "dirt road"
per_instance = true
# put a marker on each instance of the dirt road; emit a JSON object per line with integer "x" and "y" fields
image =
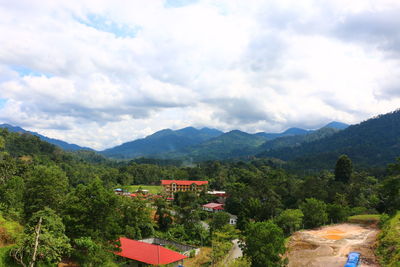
{"x": 329, "y": 246}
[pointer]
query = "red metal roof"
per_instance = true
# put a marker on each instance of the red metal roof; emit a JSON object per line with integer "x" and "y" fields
{"x": 182, "y": 182}
{"x": 214, "y": 206}
{"x": 147, "y": 253}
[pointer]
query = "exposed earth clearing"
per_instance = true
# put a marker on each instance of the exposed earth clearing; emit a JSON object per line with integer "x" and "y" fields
{"x": 330, "y": 245}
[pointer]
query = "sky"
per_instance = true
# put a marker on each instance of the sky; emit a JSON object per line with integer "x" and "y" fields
{"x": 99, "y": 73}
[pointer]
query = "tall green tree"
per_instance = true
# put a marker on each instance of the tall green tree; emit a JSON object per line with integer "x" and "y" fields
{"x": 314, "y": 211}
{"x": 219, "y": 220}
{"x": 44, "y": 240}
{"x": 163, "y": 215}
{"x": 290, "y": 220}
{"x": 264, "y": 244}
{"x": 343, "y": 169}
{"x": 46, "y": 186}
{"x": 92, "y": 211}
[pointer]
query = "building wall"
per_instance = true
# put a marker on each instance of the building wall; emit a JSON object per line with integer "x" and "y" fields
{"x": 170, "y": 189}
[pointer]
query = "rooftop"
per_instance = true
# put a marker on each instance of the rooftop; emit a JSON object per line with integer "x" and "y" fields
{"x": 183, "y": 182}
{"x": 147, "y": 253}
{"x": 214, "y": 206}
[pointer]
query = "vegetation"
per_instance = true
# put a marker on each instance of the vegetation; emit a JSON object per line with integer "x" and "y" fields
{"x": 82, "y": 217}
{"x": 389, "y": 242}
{"x": 264, "y": 244}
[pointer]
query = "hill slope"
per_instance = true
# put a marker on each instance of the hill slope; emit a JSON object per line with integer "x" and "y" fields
{"x": 371, "y": 143}
{"x": 59, "y": 143}
{"x": 161, "y": 142}
{"x": 232, "y": 144}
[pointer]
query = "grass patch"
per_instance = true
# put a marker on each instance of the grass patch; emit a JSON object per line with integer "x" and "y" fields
{"x": 364, "y": 218}
{"x": 9, "y": 231}
{"x": 388, "y": 248}
{"x": 202, "y": 259}
{"x": 5, "y": 259}
{"x": 153, "y": 189}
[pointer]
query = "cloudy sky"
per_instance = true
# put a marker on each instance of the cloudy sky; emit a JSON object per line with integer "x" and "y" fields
{"x": 99, "y": 73}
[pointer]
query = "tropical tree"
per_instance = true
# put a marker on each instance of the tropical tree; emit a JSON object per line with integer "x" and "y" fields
{"x": 46, "y": 186}
{"x": 314, "y": 211}
{"x": 343, "y": 169}
{"x": 264, "y": 244}
{"x": 44, "y": 240}
{"x": 290, "y": 220}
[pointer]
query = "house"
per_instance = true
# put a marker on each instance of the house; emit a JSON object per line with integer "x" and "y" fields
{"x": 145, "y": 254}
{"x": 232, "y": 219}
{"x": 184, "y": 249}
{"x": 172, "y": 186}
{"x": 213, "y": 207}
{"x": 220, "y": 196}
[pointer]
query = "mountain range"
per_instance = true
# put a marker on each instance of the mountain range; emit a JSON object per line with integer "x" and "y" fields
{"x": 374, "y": 142}
{"x": 203, "y": 144}
{"x": 59, "y": 143}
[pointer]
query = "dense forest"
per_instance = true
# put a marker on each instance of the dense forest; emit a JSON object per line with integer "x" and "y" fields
{"x": 70, "y": 197}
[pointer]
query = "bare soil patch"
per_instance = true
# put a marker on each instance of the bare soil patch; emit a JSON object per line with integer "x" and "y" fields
{"x": 329, "y": 246}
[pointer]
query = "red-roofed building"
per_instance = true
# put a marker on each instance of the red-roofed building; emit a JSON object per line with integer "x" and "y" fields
{"x": 213, "y": 207}
{"x": 172, "y": 186}
{"x": 145, "y": 254}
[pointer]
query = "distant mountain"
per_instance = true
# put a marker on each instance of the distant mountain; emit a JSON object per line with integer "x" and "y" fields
{"x": 337, "y": 125}
{"x": 59, "y": 143}
{"x": 208, "y": 144}
{"x": 162, "y": 142}
{"x": 374, "y": 142}
{"x": 297, "y": 140}
{"x": 288, "y": 132}
{"x": 232, "y": 144}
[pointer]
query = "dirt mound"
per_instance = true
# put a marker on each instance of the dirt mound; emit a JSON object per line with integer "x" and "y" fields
{"x": 329, "y": 246}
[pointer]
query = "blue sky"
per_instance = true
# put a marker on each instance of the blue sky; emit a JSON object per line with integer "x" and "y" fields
{"x": 99, "y": 73}
{"x": 2, "y": 102}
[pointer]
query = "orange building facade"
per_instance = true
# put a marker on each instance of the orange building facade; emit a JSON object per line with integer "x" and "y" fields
{"x": 172, "y": 186}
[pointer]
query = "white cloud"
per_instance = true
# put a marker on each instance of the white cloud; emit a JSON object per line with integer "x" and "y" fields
{"x": 99, "y": 73}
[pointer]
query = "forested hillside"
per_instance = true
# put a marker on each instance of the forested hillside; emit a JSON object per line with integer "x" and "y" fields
{"x": 59, "y": 143}
{"x": 374, "y": 142}
{"x": 234, "y": 144}
{"x": 71, "y": 196}
{"x": 161, "y": 142}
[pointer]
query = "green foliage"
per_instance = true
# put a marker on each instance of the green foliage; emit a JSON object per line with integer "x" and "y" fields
{"x": 219, "y": 220}
{"x": 264, "y": 244}
{"x": 90, "y": 253}
{"x": 46, "y": 227}
{"x": 91, "y": 211}
{"x": 290, "y": 220}
{"x": 163, "y": 214}
{"x": 343, "y": 169}
{"x": 337, "y": 213}
{"x": 46, "y": 186}
{"x": 221, "y": 242}
{"x": 12, "y": 197}
{"x": 314, "y": 211}
{"x": 5, "y": 259}
{"x": 9, "y": 230}
{"x": 388, "y": 248}
{"x": 240, "y": 262}
{"x": 390, "y": 194}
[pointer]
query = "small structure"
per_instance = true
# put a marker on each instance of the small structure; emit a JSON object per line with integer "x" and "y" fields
{"x": 172, "y": 186}
{"x": 118, "y": 191}
{"x": 232, "y": 219}
{"x": 145, "y": 254}
{"x": 213, "y": 207}
{"x": 220, "y": 196}
{"x": 184, "y": 249}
